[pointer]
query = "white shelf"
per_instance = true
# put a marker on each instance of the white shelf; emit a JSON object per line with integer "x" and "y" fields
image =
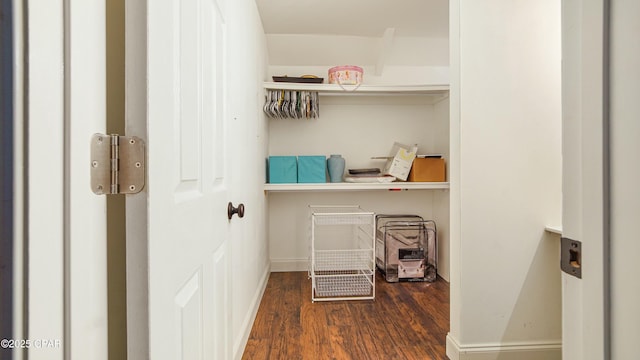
{"x": 554, "y": 229}
{"x": 344, "y": 186}
{"x": 334, "y": 89}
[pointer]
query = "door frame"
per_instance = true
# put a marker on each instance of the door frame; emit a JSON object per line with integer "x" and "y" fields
{"x": 586, "y": 177}
{"x": 9, "y": 121}
{"x": 65, "y": 229}
{"x": 44, "y": 207}
{"x": 136, "y": 226}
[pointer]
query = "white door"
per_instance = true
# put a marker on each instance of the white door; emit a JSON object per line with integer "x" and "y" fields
{"x": 601, "y": 203}
{"x": 181, "y": 113}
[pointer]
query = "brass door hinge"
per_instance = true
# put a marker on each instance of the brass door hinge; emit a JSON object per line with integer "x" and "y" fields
{"x": 117, "y": 164}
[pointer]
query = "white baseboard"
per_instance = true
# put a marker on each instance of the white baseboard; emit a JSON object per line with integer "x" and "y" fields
{"x": 238, "y": 347}
{"x": 511, "y": 351}
{"x": 282, "y": 265}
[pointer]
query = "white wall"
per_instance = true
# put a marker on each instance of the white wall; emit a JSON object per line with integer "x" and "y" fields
{"x": 407, "y": 60}
{"x": 249, "y": 251}
{"x": 506, "y": 179}
{"x": 357, "y": 128}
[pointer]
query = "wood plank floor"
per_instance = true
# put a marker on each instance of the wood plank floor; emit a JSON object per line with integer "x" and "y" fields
{"x": 405, "y": 321}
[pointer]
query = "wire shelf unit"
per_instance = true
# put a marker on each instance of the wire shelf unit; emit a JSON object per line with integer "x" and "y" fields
{"x": 342, "y": 256}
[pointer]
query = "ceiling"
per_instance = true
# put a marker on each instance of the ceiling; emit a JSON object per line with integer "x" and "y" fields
{"x": 369, "y": 18}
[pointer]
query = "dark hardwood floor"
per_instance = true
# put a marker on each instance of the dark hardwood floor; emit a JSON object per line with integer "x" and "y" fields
{"x": 405, "y": 321}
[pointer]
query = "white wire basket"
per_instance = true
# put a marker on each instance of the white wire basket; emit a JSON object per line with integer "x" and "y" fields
{"x": 343, "y": 287}
{"x": 342, "y": 253}
{"x": 343, "y": 260}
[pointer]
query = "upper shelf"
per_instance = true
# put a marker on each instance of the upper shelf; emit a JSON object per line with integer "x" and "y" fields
{"x": 334, "y": 89}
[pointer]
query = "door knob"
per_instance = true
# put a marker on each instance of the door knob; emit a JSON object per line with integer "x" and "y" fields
{"x": 235, "y": 210}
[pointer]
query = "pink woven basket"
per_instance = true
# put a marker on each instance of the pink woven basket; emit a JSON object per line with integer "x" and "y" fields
{"x": 345, "y": 75}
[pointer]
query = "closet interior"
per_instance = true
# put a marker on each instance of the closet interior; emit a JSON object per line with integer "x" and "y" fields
{"x": 403, "y": 97}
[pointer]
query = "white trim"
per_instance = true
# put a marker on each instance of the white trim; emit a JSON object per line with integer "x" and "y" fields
{"x": 247, "y": 324}
{"x": 529, "y": 350}
{"x": 85, "y": 213}
{"x": 583, "y": 300}
{"x": 19, "y": 243}
{"x": 45, "y": 204}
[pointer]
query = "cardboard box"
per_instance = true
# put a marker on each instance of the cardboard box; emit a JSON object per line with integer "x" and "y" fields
{"x": 400, "y": 160}
{"x": 312, "y": 169}
{"x": 428, "y": 170}
{"x": 283, "y": 170}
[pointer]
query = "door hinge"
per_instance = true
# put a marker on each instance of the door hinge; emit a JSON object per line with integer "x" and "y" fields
{"x": 117, "y": 164}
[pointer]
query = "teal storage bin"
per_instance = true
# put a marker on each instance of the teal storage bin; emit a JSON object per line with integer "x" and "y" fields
{"x": 283, "y": 170}
{"x": 312, "y": 169}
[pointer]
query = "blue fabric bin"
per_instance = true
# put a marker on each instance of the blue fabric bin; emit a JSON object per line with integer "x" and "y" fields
{"x": 283, "y": 170}
{"x": 312, "y": 169}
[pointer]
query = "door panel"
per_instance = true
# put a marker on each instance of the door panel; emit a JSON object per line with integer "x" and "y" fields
{"x": 189, "y": 93}
{"x": 220, "y": 306}
{"x": 187, "y": 186}
{"x": 189, "y": 318}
